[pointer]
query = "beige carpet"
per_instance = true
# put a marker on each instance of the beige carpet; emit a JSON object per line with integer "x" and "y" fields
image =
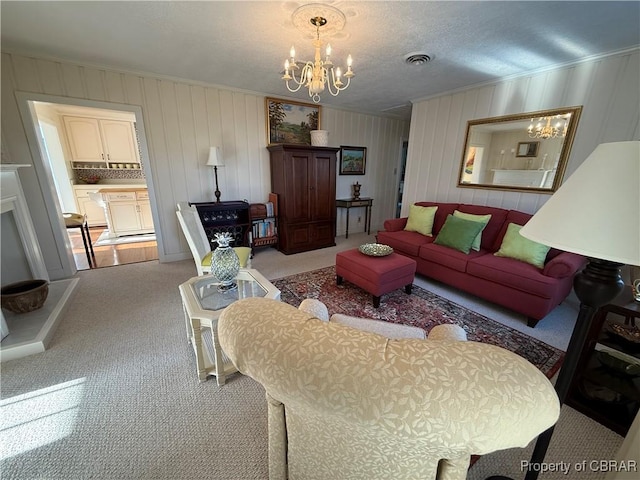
{"x": 116, "y": 395}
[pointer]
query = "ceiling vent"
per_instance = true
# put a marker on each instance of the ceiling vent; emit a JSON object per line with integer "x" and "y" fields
{"x": 417, "y": 58}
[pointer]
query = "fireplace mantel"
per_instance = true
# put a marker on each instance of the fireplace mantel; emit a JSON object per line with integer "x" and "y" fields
{"x": 22, "y": 259}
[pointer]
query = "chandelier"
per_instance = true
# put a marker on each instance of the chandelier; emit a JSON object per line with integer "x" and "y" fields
{"x": 315, "y": 74}
{"x": 546, "y": 130}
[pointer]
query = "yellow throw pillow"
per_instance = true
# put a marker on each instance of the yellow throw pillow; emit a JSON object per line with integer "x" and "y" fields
{"x": 421, "y": 219}
{"x": 244, "y": 253}
{"x": 483, "y": 219}
{"x": 520, "y": 248}
{"x": 206, "y": 260}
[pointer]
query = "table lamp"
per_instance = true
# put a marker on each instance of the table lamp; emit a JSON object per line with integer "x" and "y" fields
{"x": 595, "y": 213}
{"x": 215, "y": 161}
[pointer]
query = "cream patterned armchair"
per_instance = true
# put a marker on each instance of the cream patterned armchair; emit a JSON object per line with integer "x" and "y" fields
{"x": 349, "y": 404}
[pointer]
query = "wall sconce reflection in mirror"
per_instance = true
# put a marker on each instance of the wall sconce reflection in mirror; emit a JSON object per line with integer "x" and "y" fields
{"x": 493, "y": 146}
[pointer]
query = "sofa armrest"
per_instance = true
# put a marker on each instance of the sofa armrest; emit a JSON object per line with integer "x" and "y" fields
{"x": 315, "y": 307}
{"x": 395, "y": 224}
{"x": 448, "y": 331}
{"x": 564, "y": 265}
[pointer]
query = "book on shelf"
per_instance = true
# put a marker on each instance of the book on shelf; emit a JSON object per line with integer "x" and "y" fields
{"x": 264, "y": 228}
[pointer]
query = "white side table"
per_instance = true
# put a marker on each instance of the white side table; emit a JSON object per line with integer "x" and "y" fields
{"x": 203, "y": 304}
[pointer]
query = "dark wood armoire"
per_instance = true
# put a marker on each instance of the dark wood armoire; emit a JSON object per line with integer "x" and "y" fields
{"x": 304, "y": 177}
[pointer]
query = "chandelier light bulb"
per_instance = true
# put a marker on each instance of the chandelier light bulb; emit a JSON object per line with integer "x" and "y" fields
{"x": 328, "y": 49}
{"x": 292, "y": 52}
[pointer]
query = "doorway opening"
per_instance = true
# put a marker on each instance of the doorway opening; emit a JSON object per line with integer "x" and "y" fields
{"x": 91, "y": 153}
{"x": 403, "y": 169}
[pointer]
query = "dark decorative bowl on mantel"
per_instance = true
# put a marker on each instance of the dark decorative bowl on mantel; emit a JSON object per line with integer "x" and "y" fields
{"x": 25, "y": 296}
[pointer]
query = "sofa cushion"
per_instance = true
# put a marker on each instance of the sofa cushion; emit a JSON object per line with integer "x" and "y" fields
{"x": 444, "y": 209}
{"x": 513, "y": 274}
{"x": 408, "y": 243}
{"x": 448, "y": 257}
{"x": 520, "y": 248}
{"x": 482, "y": 219}
{"x": 513, "y": 216}
{"x": 458, "y": 233}
{"x": 421, "y": 219}
{"x": 493, "y": 228}
{"x": 395, "y": 224}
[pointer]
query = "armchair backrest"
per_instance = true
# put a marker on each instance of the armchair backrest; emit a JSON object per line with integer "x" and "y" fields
{"x": 344, "y": 403}
{"x": 194, "y": 233}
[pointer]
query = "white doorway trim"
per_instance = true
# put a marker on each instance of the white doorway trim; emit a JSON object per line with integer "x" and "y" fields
{"x": 47, "y": 186}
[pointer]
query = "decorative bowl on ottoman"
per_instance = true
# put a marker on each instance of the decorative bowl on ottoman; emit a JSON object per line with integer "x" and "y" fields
{"x": 375, "y": 249}
{"x": 25, "y": 296}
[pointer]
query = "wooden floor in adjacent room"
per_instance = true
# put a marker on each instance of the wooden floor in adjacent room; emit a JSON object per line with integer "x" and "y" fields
{"x": 111, "y": 255}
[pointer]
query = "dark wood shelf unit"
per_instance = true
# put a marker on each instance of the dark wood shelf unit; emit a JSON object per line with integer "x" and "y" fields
{"x": 304, "y": 178}
{"x": 593, "y": 380}
{"x": 219, "y": 217}
{"x": 259, "y": 214}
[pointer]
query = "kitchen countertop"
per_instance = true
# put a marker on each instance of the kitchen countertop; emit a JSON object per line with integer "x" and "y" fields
{"x": 125, "y": 189}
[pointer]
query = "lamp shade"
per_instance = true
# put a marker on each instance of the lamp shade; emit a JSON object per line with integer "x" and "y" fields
{"x": 215, "y": 157}
{"x": 596, "y": 212}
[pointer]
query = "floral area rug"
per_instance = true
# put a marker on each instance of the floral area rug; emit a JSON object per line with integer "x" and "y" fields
{"x": 422, "y": 309}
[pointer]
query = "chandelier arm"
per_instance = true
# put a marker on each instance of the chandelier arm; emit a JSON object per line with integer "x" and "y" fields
{"x": 293, "y": 90}
{"x": 302, "y": 79}
{"x": 332, "y": 83}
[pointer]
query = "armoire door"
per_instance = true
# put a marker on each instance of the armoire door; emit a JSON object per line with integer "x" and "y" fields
{"x": 322, "y": 186}
{"x": 297, "y": 187}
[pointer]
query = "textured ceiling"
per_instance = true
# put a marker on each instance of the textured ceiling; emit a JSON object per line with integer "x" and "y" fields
{"x": 244, "y": 44}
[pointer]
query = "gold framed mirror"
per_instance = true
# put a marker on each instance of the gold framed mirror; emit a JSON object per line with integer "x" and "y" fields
{"x": 523, "y": 152}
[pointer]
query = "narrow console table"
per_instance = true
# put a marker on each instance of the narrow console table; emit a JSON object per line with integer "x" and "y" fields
{"x": 359, "y": 202}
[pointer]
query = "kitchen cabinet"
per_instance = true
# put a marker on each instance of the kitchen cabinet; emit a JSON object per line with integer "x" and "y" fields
{"x": 128, "y": 211}
{"x": 304, "y": 178}
{"x": 94, "y": 211}
{"x": 101, "y": 143}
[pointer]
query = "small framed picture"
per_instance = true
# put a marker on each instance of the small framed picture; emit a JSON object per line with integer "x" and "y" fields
{"x": 291, "y": 122}
{"x": 352, "y": 160}
{"x": 527, "y": 149}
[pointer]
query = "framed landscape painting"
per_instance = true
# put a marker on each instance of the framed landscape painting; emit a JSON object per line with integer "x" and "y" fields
{"x": 291, "y": 122}
{"x": 352, "y": 160}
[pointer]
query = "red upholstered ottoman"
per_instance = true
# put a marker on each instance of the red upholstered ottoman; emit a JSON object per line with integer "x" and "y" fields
{"x": 376, "y": 275}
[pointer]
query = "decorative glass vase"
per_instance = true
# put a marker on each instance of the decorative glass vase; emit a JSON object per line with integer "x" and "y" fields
{"x": 224, "y": 262}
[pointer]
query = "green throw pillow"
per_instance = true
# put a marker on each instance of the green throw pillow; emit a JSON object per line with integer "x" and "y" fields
{"x": 484, "y": 219}
{"x": 516, "y": 246}
{"x": 421, "y": 219}
{"x": 458, "y": 233}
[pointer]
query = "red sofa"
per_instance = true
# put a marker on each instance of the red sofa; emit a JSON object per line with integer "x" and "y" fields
{"x": 517, "y": 285}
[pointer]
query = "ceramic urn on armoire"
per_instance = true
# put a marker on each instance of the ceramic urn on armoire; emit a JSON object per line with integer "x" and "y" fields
{"x": 304, "y": 177}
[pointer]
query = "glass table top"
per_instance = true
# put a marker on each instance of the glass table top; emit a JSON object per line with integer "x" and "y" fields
{"x": 211, "y": 298}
